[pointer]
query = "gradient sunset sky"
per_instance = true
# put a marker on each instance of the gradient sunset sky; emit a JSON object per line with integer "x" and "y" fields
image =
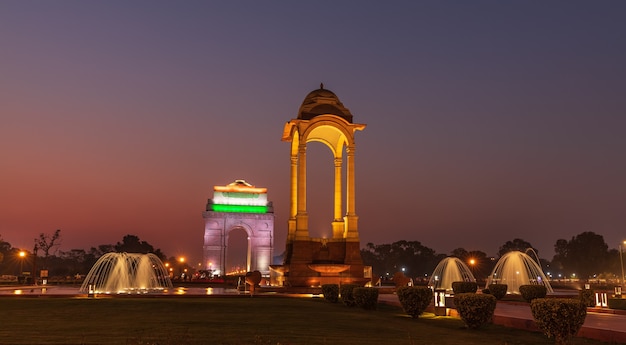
{"x": 486, "y": 120}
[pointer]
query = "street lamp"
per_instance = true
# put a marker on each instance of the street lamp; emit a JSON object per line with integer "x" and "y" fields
{"x": 182, "y": 262}
{"x": 22, "y": 255}
{"x": 621, "y": 260}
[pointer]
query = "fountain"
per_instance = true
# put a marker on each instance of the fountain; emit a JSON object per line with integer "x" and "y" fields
{"x": 127, "y": 273}
{"x": 449, "y": 270}
{"x": 515, "y": 269}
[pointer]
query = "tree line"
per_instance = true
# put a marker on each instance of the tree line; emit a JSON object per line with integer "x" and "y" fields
{"x": 60, "y": 263}
{"x": 584, "y": 256}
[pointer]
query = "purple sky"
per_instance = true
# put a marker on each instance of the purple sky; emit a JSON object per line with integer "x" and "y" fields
{"x": 487, "y": 120}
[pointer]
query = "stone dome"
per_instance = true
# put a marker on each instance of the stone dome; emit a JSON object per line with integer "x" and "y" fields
{"x": 322, "y": 102}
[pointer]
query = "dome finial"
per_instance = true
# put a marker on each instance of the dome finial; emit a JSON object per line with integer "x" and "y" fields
{"x": 322, "y": 86}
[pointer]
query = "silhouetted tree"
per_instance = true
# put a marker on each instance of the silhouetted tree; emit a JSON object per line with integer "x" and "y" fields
{"x": 460, "y": 253}
{"x": 5, "y": 247}
{"x": 416, "y": 259}
{"x": 558, "y": 260}
{"x": 517, "y": 244}
{"x": 132, "y": 244}
{"x": 585, "y": 254}
{"x": 46, "y": 243}
{"x": 101, "y": 250}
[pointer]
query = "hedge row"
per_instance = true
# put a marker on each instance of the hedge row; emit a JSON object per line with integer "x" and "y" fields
{"x": 351, "y": 295}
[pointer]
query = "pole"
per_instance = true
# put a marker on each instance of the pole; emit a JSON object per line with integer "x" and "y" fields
{"x": 35, "y": 265}
{"x": 621, "y": 261}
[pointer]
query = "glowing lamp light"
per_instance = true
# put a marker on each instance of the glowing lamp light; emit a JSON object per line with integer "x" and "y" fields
{"x": 440, "y": 302}
{"x": 602, "y": 299}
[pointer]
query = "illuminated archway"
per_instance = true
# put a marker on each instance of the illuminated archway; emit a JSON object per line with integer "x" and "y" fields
{"x": 238, "y": 205}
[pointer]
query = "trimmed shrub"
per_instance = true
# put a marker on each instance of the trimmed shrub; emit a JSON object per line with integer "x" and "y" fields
{"x": 587, "y": 297}
{"x": 530, "y": 292}
{"x": 414, "y": 299}
{"x": 498, "y": 290}
{"x": 559, "y": 318}
{"x": 347, "y": 296}
{"x": 475, "y": 309}
{"x": 399, "y": 279}
{"x": 365, "y": 297}
{"x": 331, "y": 292}
{"x": 464, "y": 287}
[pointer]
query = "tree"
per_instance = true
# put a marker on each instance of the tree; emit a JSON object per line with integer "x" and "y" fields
{"x": 517, "y": 244}
{"x": 416, "y": 259}
{"x": 585, "y": 254}
{"x": 46, "y": 243}
{"x": 460, "y": 253}
{"x": 132, "y": 244}
{"x": 101, "y": 250}
{"x": 5, "y": 247}
{"x": 558, "y": 260}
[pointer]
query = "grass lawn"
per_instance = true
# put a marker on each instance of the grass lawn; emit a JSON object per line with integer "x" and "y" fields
{"x": 245, "y": 320}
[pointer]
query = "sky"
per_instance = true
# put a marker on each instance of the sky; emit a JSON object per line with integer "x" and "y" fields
{"x": 486, "y": 120}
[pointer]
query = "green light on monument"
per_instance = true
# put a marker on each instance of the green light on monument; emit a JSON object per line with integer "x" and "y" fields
{"x": 239, "y": 208}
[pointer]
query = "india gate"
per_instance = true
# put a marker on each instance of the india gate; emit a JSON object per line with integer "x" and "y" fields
{"x": 238, "y": 205}
{"x": 308, "y": 261}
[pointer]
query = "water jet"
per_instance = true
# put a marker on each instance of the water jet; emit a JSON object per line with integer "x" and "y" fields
{"x": 515, "y": 269}
{"x": 449, "y": 270}
{"x": 127, "y": 273}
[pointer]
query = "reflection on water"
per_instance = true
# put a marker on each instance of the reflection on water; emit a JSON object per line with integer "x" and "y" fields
{"x": 69, "y": 290}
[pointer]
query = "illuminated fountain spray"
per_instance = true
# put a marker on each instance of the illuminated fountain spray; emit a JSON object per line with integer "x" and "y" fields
{"x": 515, "y": 269}
{"x": 127, "y": 273}
{"x": 449, "y": 270}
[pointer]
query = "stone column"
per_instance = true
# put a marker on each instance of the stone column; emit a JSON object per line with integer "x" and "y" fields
{"x": 351, "y": 218}
{"x": 338, "y": 225}
{"x": 291, "y": 230}
{"x": 302, "y": 218}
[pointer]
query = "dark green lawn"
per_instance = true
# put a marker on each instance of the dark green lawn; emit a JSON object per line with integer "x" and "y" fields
{"x": 245, "y": 320}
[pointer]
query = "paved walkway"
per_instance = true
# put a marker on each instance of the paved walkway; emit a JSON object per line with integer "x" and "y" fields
{"x": 600, "y": 324}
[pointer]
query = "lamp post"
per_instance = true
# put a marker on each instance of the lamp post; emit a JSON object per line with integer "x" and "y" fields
{"x": 182, "y": 262}
{"x": 22, "y": 255}
{"x": 472, "y": 263}
{"x": 621, "y": 260}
